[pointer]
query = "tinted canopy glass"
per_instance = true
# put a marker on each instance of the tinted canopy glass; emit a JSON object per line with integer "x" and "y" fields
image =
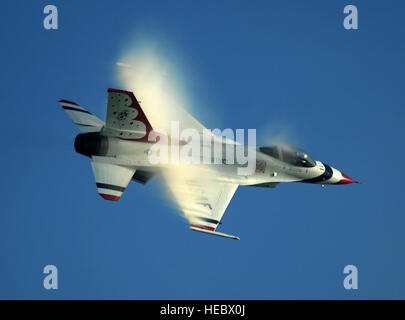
{"x": 291, "y": 155}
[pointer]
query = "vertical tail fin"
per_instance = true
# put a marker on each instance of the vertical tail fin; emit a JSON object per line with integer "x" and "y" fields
{"x": 125, "y": 117}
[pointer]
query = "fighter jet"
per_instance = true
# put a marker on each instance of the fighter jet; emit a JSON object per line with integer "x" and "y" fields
{"x": 120, "y": 150}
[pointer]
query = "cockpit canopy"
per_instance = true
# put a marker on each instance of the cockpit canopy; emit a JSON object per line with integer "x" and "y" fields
{"x": 291, "y": 155}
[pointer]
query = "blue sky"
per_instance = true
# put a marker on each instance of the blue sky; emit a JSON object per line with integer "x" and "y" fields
{"x": 270, "y": 65}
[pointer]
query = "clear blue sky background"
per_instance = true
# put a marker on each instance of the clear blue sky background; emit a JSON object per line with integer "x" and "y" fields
{"x": 291, "y": 63}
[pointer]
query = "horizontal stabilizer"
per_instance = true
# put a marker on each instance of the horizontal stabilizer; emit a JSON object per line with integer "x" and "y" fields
{"x": 220, "y": 234}
{"x": 111, "y": 179}
{"x": 86, "y": 121}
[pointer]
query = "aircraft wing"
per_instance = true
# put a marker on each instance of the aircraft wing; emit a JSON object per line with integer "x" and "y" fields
{"x": 200, "y": 197}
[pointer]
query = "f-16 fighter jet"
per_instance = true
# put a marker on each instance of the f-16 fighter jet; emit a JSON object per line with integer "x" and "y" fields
{"x": 126, "y": 147}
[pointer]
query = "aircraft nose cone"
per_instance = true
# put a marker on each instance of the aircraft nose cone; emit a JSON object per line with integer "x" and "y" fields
{"x": 345, "y": 180}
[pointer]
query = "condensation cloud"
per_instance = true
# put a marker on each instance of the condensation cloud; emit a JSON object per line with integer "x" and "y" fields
{"x": 151, "y": 72}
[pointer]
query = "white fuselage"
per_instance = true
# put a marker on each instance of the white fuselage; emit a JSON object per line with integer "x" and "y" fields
{"x": 267, "y": 170}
